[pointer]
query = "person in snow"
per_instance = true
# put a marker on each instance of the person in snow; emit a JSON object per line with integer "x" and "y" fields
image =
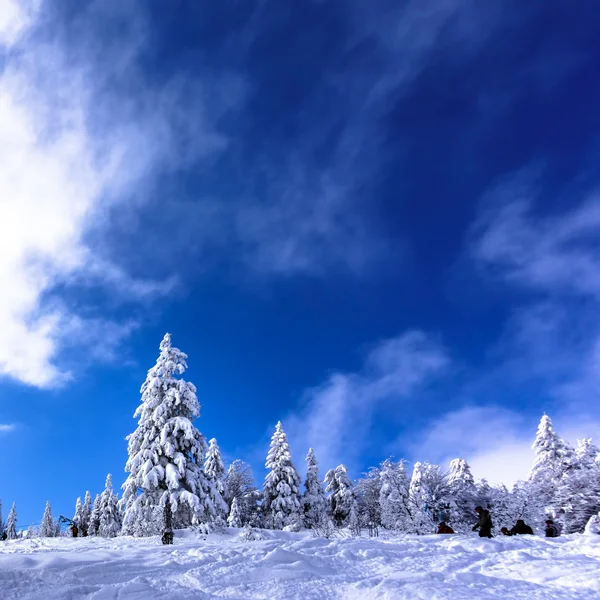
{"x": 519, "y": 529}
{"x": 551, "y": 529}
{"x": 484, "y": 524}
{"x": 74, "y": 530}
{"x": 444, "y": 528}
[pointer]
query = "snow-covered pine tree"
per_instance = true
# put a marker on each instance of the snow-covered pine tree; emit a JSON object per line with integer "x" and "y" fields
{"x": 235, "y": 515}
{"x": 239, "y": 483}
{"x": 341, "y": 495}
{"x": 394, "y": 498}
{"x": 11, "y": 523}
{"x": 281, "y": 496}
{"x": 552, "y": 454}
{"x": 86, "y": 513}
{"x": 462, "y": 495}
{"x": 94, "y": 525}
{"x": 214, "y": 470}
{"x": 47, "y": 528}
{"x": 111, "y": 518}
{"x": 78, "y": 511}
{"x": 313, "y": 501}
{"x": 166, "y": 451}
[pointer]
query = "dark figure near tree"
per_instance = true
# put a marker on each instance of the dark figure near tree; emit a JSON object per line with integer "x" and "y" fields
{"x": 519, "y": 529}
{"x": 444, "y": 528}
{"x": 484, "y": 524}
{"x": 551, "y": 529}
{"x": 74, "y": 530}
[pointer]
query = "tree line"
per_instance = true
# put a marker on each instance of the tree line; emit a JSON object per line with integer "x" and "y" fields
{"x": 176, "y": 480}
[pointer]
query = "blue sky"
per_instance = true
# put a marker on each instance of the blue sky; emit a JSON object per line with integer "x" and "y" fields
{"x": 377, "y": 223}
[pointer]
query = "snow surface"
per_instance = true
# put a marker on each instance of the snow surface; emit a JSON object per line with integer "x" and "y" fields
{"x": 295, "y": 565}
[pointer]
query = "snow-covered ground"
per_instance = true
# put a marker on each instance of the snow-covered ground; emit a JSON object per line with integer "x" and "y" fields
{"x": 288, "y": 565}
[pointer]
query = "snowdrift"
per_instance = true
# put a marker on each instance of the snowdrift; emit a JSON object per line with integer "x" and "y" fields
{"x": 285, "y": 565}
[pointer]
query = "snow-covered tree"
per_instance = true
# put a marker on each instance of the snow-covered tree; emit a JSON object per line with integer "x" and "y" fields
{"x": 47, "y": 528}
{"x": 577, "y": 496}
{"x": 214, "y": 469}
{"x": 367, "y": 491}
{"x": 166, "y": 451}
{"x": 281, "y": 491}
{"x": 313, "y": 501}
{"x": 78, "y": 511}
{"x": 239, "y": 483}
{"x": 341, "y": 495}
{"x": 428, "y": 493}
{"x": 462, "y": 495}
{"x": 94, "y": 525}
{"x": 86, "y": 513}
{"x": 11, "y": 523}
{"x": 552, "y": 455}
{"x": 394, "y": 498}
{"x": 235, "y": 515}
{"x": 111, "y": 518}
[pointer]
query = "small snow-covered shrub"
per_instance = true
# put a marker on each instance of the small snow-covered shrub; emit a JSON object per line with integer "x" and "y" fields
{"x": 249, "y": 534}
{"x": 593, "y": 525}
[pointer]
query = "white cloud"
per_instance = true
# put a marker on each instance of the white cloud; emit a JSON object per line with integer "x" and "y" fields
{"x": 336, "y": 417}
{"x": 6, "y": 428}
{"x": 555, "y": 254}
{"x": 68, "y": 154}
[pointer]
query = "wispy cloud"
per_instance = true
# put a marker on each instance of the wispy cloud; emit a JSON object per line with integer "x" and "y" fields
{"x": 6, "y": 428}
{"x": 336, "y": 417}
{"x": 73, "y": 145}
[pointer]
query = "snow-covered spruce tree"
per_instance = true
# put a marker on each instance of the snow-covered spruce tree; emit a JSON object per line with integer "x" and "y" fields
{"x": 11, "y": 523}
{"x": 313, "y": 502}
{"x": 94, "y": 525}
{"x": 86, "y": 513}
{"x": 394, "y": 498}
{"x": 111, "y": 518}
{"x": 462, "y": 495}
{"x": 239, "y": 483}
{"x": 166, "y": 451}
{"x": 281, "y": 504}
{"x": 235, "y": 515}
{"x": 47, "y": 528}
{"x": 78, "y": 511}
{"x": 552, "y": 456}
{"x": 341, "y": 495}
{"x": 214, "y": 470}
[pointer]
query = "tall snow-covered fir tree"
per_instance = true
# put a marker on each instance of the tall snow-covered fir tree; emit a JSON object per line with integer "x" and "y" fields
{"x": 111, "y": 518}
{"x": 368, "y": 491}
{"x": 166, "y": 451}
{"x": 78, "y": 511}
{"x": 281, "y": 491}
{"x": 313, "y": 501}
{"x": 94, "y": 525}
{"x": 552, "y": 454}
{"x": 341, "y": 495}
{"x": 86, "y": 513}
{"x": 11, "y": 523}
{"x": 462, "y": 496}
{"x": 429, "y": 497}
{"x": 214, "y": 470}
{"x": 47, "y": 528}
{"x": 394, "y": 497}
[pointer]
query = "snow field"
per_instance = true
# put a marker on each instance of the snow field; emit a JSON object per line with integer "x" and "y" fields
{"x": 295, "y": 565}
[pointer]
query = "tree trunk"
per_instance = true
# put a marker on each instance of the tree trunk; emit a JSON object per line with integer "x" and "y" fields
{"x": 167, "y": 536}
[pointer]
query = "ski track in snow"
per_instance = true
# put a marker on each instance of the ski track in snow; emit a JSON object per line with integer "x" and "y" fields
{"x": 289, "y": 566}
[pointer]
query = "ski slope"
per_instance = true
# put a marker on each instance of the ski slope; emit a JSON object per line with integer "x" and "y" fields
{"x": 289, "y": 566}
